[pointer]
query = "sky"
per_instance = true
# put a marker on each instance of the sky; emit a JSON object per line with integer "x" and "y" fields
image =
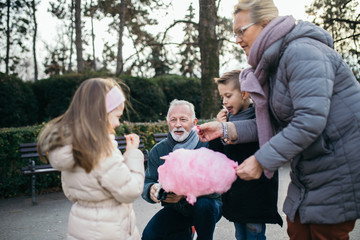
{"x": 49, "y": 26}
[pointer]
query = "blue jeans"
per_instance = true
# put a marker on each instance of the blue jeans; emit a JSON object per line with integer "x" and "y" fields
{"x": 250, "y": 231}
{"x": 169, "y": 224}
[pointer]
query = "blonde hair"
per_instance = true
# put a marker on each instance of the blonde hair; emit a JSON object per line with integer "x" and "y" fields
{"x": 259, "y": 10}
{"x": 229, "y": 77}
{"x": 85, "y": 125}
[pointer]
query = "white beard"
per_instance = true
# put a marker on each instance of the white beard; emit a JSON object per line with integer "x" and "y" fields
{"x": 180, "y": 138}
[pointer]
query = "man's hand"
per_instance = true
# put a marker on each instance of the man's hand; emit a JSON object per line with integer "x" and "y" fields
{"x": 173, "y": 198}
{"x": 209, "y": 131}
{"x": 250, "y": 169}
{"x": 153, "y": 190}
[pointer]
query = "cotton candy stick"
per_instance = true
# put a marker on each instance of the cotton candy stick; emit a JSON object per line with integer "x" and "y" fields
{"x": 196, "y": 128}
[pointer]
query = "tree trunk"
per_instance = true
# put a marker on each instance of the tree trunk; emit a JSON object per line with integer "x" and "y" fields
{"x": 78, "y": 40}
{"x": 71, "y": 36}
{"x": 7, "y": 58}
{"x": 93, "y": 36}
{"x": 119, "y": 58}
{"x": 210, "y": 105}
{"x": 33, "y": 6}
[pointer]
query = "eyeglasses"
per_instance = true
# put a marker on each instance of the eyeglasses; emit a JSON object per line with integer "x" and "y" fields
{"x": 241, "y": 31}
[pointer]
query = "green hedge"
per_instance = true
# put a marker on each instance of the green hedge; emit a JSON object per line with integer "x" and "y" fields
{"x": 29, "y": 103}
{"x": 54, "y": 94}
{"x": 18, "y": 104}
{"x": 13, "y": 183}
{"x": 181, "y": 88}
{"x": 147, "y": 99}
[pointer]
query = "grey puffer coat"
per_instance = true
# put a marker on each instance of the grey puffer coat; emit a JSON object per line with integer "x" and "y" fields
{"x": 315, "y": 105}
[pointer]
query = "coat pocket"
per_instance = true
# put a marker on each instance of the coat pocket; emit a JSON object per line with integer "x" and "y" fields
{"x": 317, "y": 148}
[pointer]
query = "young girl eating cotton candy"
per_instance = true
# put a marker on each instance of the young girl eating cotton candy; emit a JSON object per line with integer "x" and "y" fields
{"x": 100, "y": 181}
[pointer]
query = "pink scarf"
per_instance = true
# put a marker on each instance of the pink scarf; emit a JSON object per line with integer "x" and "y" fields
{"x": 255, "y": 79}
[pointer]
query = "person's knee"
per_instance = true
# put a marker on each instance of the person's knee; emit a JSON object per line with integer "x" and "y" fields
{"x": 255, "y": 228}
{"x": 150, "y": 233}
{"x": 207, "y": 206}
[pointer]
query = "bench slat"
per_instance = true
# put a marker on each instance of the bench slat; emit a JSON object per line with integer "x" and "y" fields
{"x": 24, "y": 145}
{"x": 30, "y": 155}
{"x": 39, "y": 171}
{"x": 27, "y": 149}
{"x": 159, "y": 136}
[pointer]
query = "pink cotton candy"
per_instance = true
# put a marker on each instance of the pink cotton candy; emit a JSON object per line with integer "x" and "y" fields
{"x": 197, "y": 172}
{"x": 196, "y": 128}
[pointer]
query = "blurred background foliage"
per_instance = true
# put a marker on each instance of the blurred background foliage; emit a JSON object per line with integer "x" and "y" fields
{"x": 28, "y": 103}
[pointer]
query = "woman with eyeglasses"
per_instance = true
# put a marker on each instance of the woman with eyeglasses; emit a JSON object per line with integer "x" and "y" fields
{"x": 307, "y": 104}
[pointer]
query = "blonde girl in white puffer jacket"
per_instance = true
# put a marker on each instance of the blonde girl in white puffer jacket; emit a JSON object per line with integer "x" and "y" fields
{"x": 100, "y": 181}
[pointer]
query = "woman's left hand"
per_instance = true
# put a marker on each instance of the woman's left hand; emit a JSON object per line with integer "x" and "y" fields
{"x": 210, "y": 130}
{"x": 250, "y": 169}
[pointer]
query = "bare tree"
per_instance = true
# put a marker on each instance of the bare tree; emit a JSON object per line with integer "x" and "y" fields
{"x": 119, "y": 58}
{"x": 129, "y": 20}
{"x": 65, "y": 12}
{"x": 33, "y": 7}
{"x": 78, "y": 36}
{"x": 93, "y": 36}
{"x": 71, "y": 35}
{"x": 8, "y": 5}
{"x": 14, "y": 27}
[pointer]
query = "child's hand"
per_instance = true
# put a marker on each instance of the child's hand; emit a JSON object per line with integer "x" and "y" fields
{"x": 132, "y": 141}
{"x": 221, "y": 116}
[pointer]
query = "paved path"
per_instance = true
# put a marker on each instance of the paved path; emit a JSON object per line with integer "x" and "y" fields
{"x": 19, "y": 220}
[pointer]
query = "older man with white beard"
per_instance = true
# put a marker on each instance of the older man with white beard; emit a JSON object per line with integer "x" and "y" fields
{"x": 174, "y": 220}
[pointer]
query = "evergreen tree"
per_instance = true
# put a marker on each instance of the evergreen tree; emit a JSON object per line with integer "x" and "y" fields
{"x": 130, "y": 19}
{"x": 342, "y": 19}
{"x": 189, "y": 49}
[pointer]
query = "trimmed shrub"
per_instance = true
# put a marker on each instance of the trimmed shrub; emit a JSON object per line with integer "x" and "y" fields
{"x": 18, "y": 104}
{"x": 146, "y": 98}
{"x": 55, "y": 94}
{"x": 181, "y": 88}
{"x": 32, "y": 103}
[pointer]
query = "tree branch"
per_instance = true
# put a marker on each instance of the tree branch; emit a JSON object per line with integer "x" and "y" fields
{"x": 349, "y": 37}
{"x": 173, "y": 25}
{"x": 342, "y": 20}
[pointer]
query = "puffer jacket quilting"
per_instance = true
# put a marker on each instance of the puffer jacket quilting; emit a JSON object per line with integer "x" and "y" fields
{"x": 103, "y": 198}
{"x": 319, "y": 126}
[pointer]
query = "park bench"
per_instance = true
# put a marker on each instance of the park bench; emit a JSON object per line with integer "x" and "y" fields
{"x": 159, "y": 136}
{"x": 29, "y": 151}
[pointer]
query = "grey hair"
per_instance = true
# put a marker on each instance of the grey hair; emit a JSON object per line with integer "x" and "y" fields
{"x": 259, "y": 10}
{"x": 176, "y": 102}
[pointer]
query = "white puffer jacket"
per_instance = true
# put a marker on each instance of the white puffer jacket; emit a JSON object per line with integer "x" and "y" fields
{"x": 102, "y": 198}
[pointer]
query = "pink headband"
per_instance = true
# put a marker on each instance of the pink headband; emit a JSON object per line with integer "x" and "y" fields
{"x": 114, "y": 98}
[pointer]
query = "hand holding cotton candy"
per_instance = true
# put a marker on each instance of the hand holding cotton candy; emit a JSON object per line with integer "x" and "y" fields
{"x": 196, "y": 128}
{"x": 197, "y": 172}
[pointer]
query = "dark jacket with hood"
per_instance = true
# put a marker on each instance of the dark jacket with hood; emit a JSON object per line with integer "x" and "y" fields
{"x": 252, "y": 201}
